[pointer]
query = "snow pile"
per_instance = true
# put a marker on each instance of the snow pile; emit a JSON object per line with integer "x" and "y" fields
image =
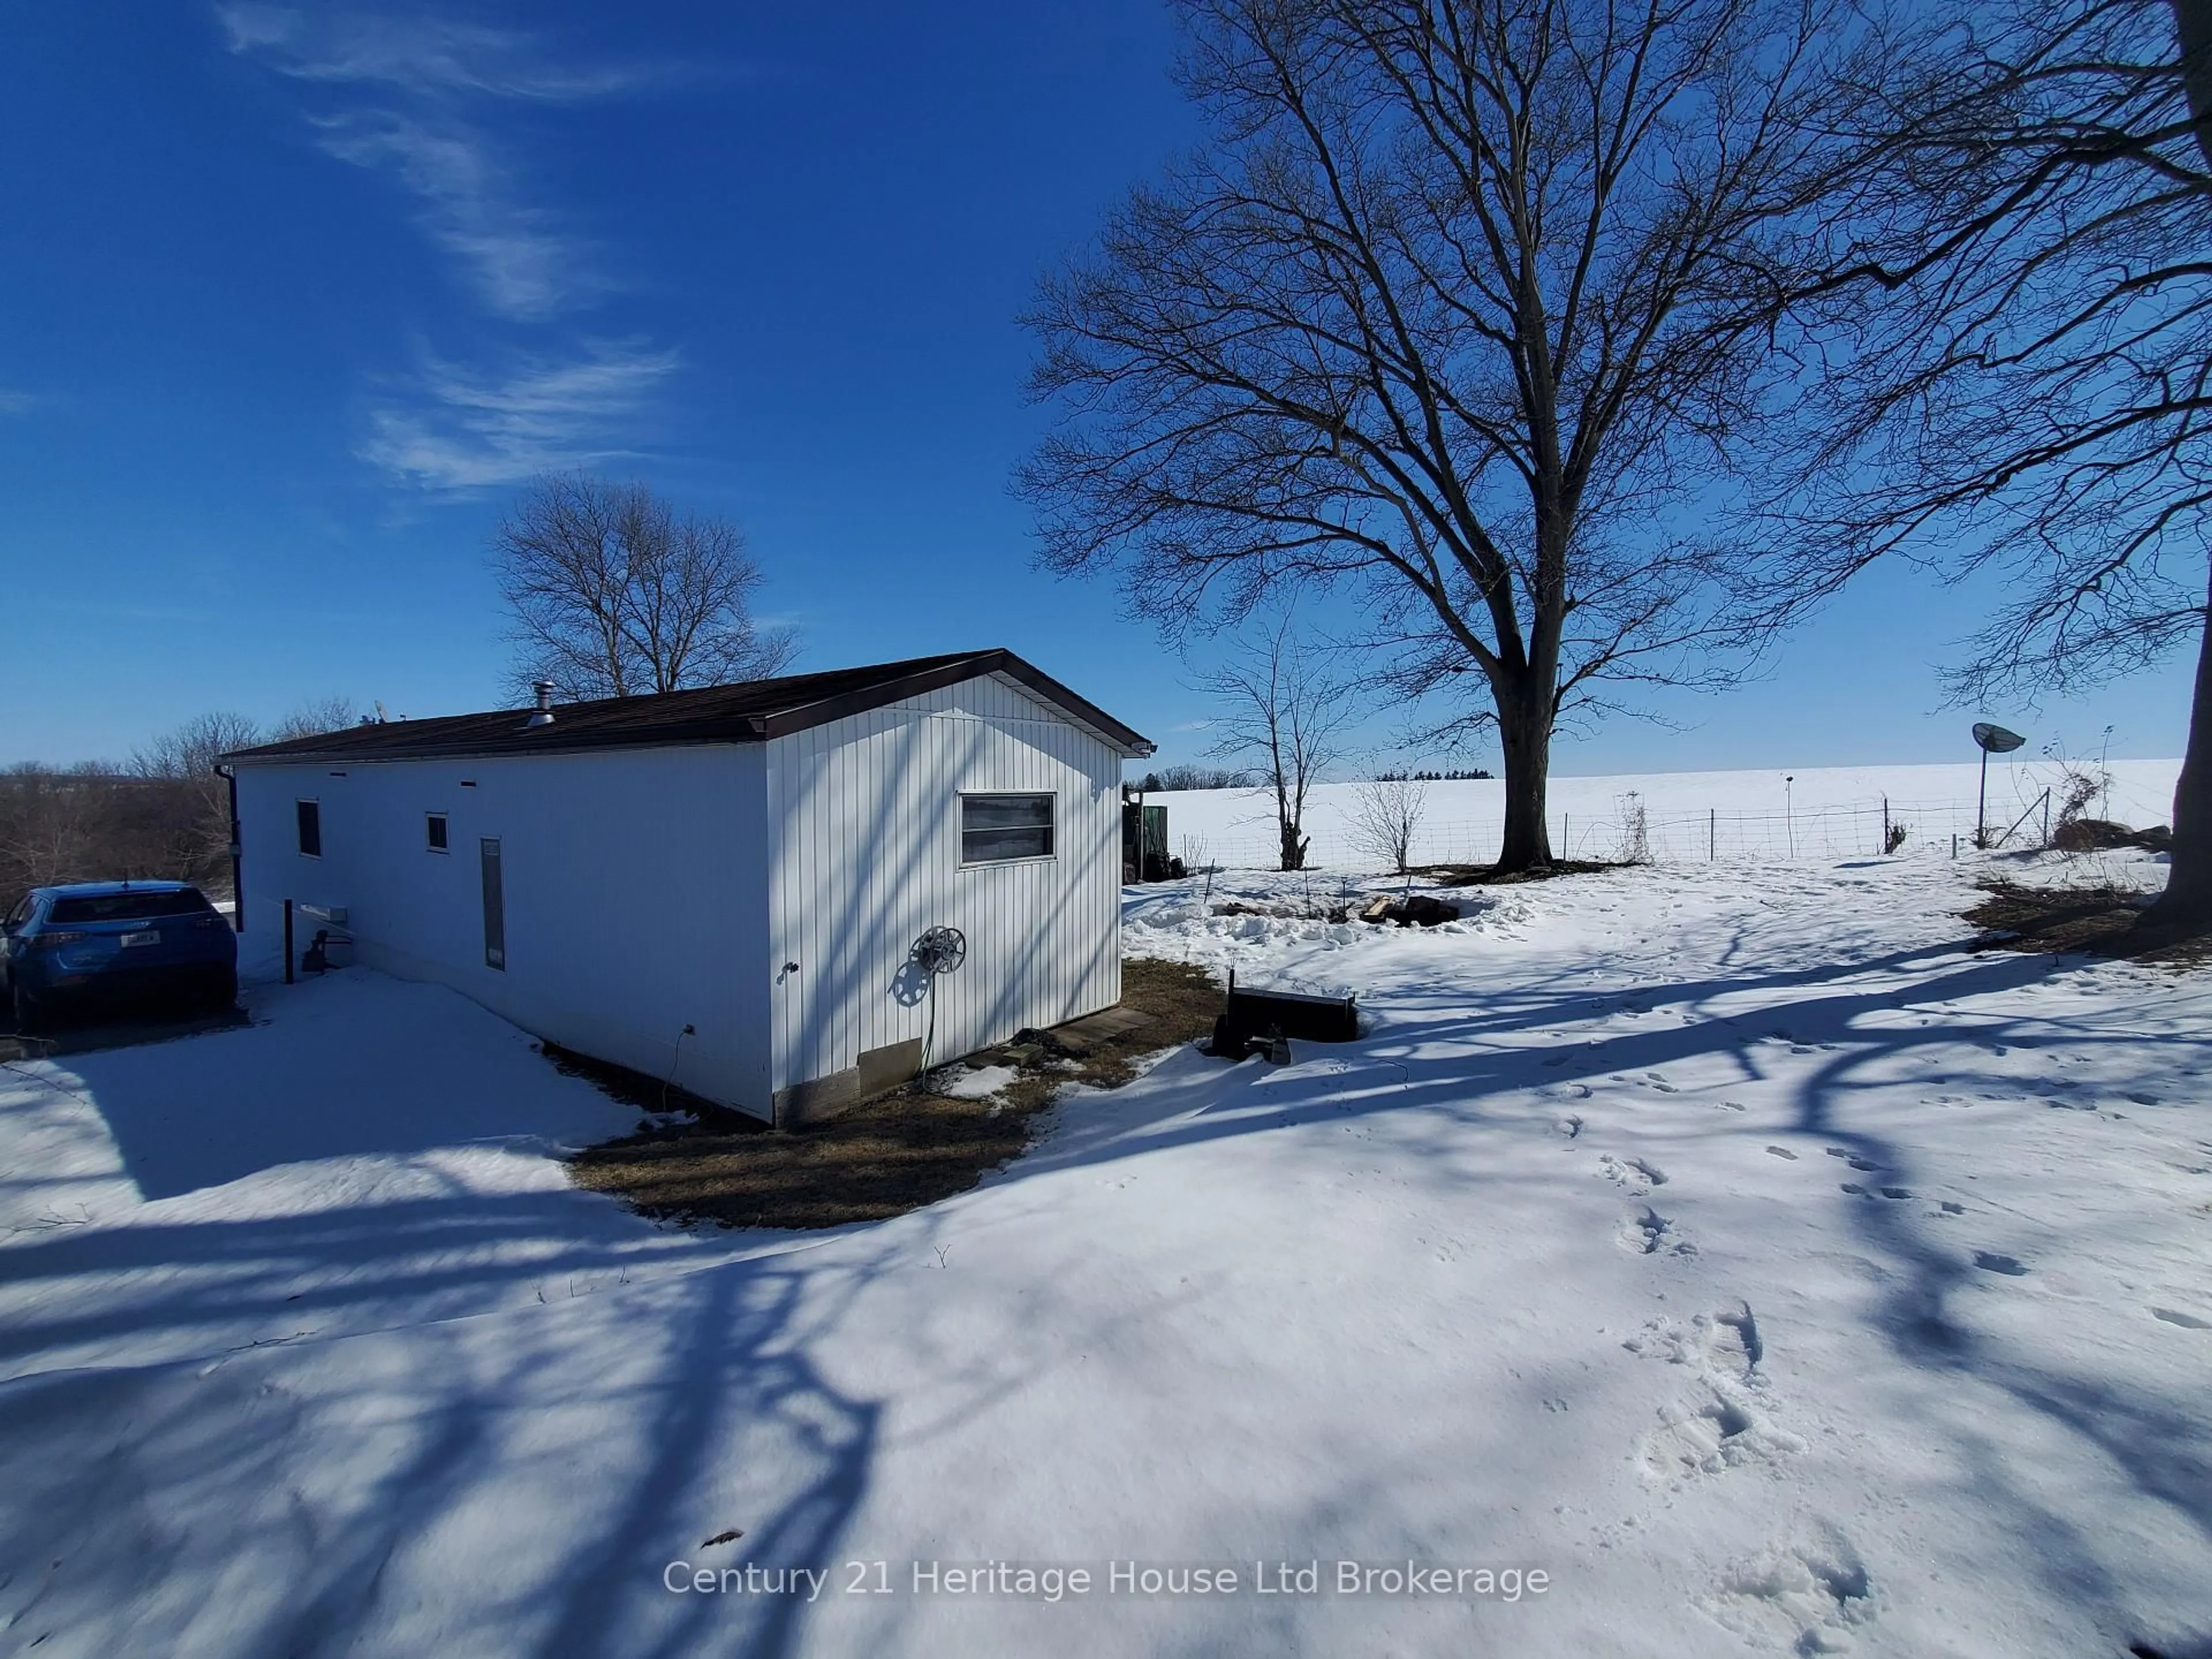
{"x": 1732, "y": 1248}
{"x": 966, "y": 1082}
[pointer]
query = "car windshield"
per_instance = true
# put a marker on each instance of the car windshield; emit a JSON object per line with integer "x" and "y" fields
{"x": 129, "y": 907}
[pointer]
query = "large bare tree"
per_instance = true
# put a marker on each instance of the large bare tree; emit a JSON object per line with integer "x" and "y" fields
{"x": 614, "y": 594}
{"x": 2014, "y": 323}
{"x": 1451, "y": 310}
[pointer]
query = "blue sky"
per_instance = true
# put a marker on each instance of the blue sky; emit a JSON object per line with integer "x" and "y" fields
{"x": 298, "y": 296}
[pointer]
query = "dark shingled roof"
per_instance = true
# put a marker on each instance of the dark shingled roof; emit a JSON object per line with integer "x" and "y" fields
{"x": 751, "y": 713}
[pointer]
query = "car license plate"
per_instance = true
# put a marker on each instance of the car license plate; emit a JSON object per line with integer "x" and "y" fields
{"x": 151, "y": 936}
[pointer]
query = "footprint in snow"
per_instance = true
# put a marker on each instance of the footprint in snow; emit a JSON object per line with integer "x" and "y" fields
{"x": 1988, "y": 1261}
{"x": 1649, "y": 1233}
{"x": 1725, "y": 1343}
{"x": 1633, "y": 1172}
{"x": 1717, "y": 1433}
{"x": 2187, "y": 1322}
{"x": 1808, "y": 1596}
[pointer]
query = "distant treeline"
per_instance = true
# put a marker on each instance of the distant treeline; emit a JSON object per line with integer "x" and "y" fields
{"x": 1193, "y": 777}
{"x": 1215, "y": 777}
{"x": 94, "y": 823}
{"x": 166, "y": 816}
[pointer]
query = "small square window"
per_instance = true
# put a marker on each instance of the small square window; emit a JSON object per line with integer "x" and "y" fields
{"x": 311, "y": 828}
{"x": 1000, "y": 828}
{"x": 434, "y": 831}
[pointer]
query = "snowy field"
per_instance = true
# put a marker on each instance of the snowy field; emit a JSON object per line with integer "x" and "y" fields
{"x": 1826, "y": 812}
{"x": 1727, "y": 1245}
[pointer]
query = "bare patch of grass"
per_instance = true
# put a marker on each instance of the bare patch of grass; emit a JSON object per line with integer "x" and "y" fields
{"x": 1489, "y": 875}
{"x": 2105, "y": 921}
{"x": 886, "y": 1156}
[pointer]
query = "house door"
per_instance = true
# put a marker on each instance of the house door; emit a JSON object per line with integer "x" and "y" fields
{"x": 494, "y": 906}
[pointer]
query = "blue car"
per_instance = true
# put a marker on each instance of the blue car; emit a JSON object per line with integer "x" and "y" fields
{"x": 106, "y": 940}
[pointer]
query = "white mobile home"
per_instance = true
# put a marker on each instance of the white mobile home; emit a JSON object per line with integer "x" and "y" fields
{"x": 725, "y": 886}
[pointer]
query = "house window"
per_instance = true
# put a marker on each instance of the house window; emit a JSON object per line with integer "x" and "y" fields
{"x": 434, "y": 824}
{"x": 1000, "y": 829}
{"x": 311, "y": 828}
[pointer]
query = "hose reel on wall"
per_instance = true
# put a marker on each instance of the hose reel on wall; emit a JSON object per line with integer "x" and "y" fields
{"x": 938, "y": 951}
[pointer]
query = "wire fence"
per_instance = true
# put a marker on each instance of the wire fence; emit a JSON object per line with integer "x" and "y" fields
{"x": 1632, "y": 831}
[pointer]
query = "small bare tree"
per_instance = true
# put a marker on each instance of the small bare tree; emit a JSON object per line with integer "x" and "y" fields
{"x": 187, "y": 754}
{"x": 1386, "y": 813}
{"x": 1635, "y": 831}
{"x": 1283, "y": 714}
{"x": 315, "y": 717}
{"x": 614, "y": 595}
{"x": 1198, "y": 859}
{"x": 190, "y": 750}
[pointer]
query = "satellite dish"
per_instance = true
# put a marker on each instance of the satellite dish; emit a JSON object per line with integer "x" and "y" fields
{"x": 1995, "y": 739}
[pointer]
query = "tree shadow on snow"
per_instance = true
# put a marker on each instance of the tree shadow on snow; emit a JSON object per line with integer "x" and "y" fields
{"x": 518, "y": 1484}
{"x": 1431, "y": 1055}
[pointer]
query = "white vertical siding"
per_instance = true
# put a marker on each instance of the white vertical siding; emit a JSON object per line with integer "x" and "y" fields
{"x": 653, "y": 888}
{"x": 635, "y": 888}
{"x": 864, "y": 819}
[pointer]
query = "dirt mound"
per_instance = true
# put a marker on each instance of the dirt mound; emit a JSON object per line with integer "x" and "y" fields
{"x": 2106, "y": 922}
{"x": 2102, "y": 834}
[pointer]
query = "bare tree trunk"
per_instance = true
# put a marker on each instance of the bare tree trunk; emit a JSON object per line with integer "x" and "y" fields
{"x": 1524, "y": 730}
{"x": 2192, "y": 27}
{"x": 2187, "y": 902}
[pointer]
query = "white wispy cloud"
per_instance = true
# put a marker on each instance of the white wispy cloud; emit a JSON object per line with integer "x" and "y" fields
{"x": 423, "y": 55}
{"x": 456, "y": 428}
{"x": 410, "y": 93}
{"x": 17, "y": 402}
{"x": 521, "y": 264}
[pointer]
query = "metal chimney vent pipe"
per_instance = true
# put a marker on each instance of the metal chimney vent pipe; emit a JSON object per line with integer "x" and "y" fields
{"x": 543, "y": 715}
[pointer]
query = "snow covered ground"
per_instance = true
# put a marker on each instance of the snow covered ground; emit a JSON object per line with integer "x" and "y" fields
{"x": 1778, "y": 815}
{"x": 1726, "y": 1244}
